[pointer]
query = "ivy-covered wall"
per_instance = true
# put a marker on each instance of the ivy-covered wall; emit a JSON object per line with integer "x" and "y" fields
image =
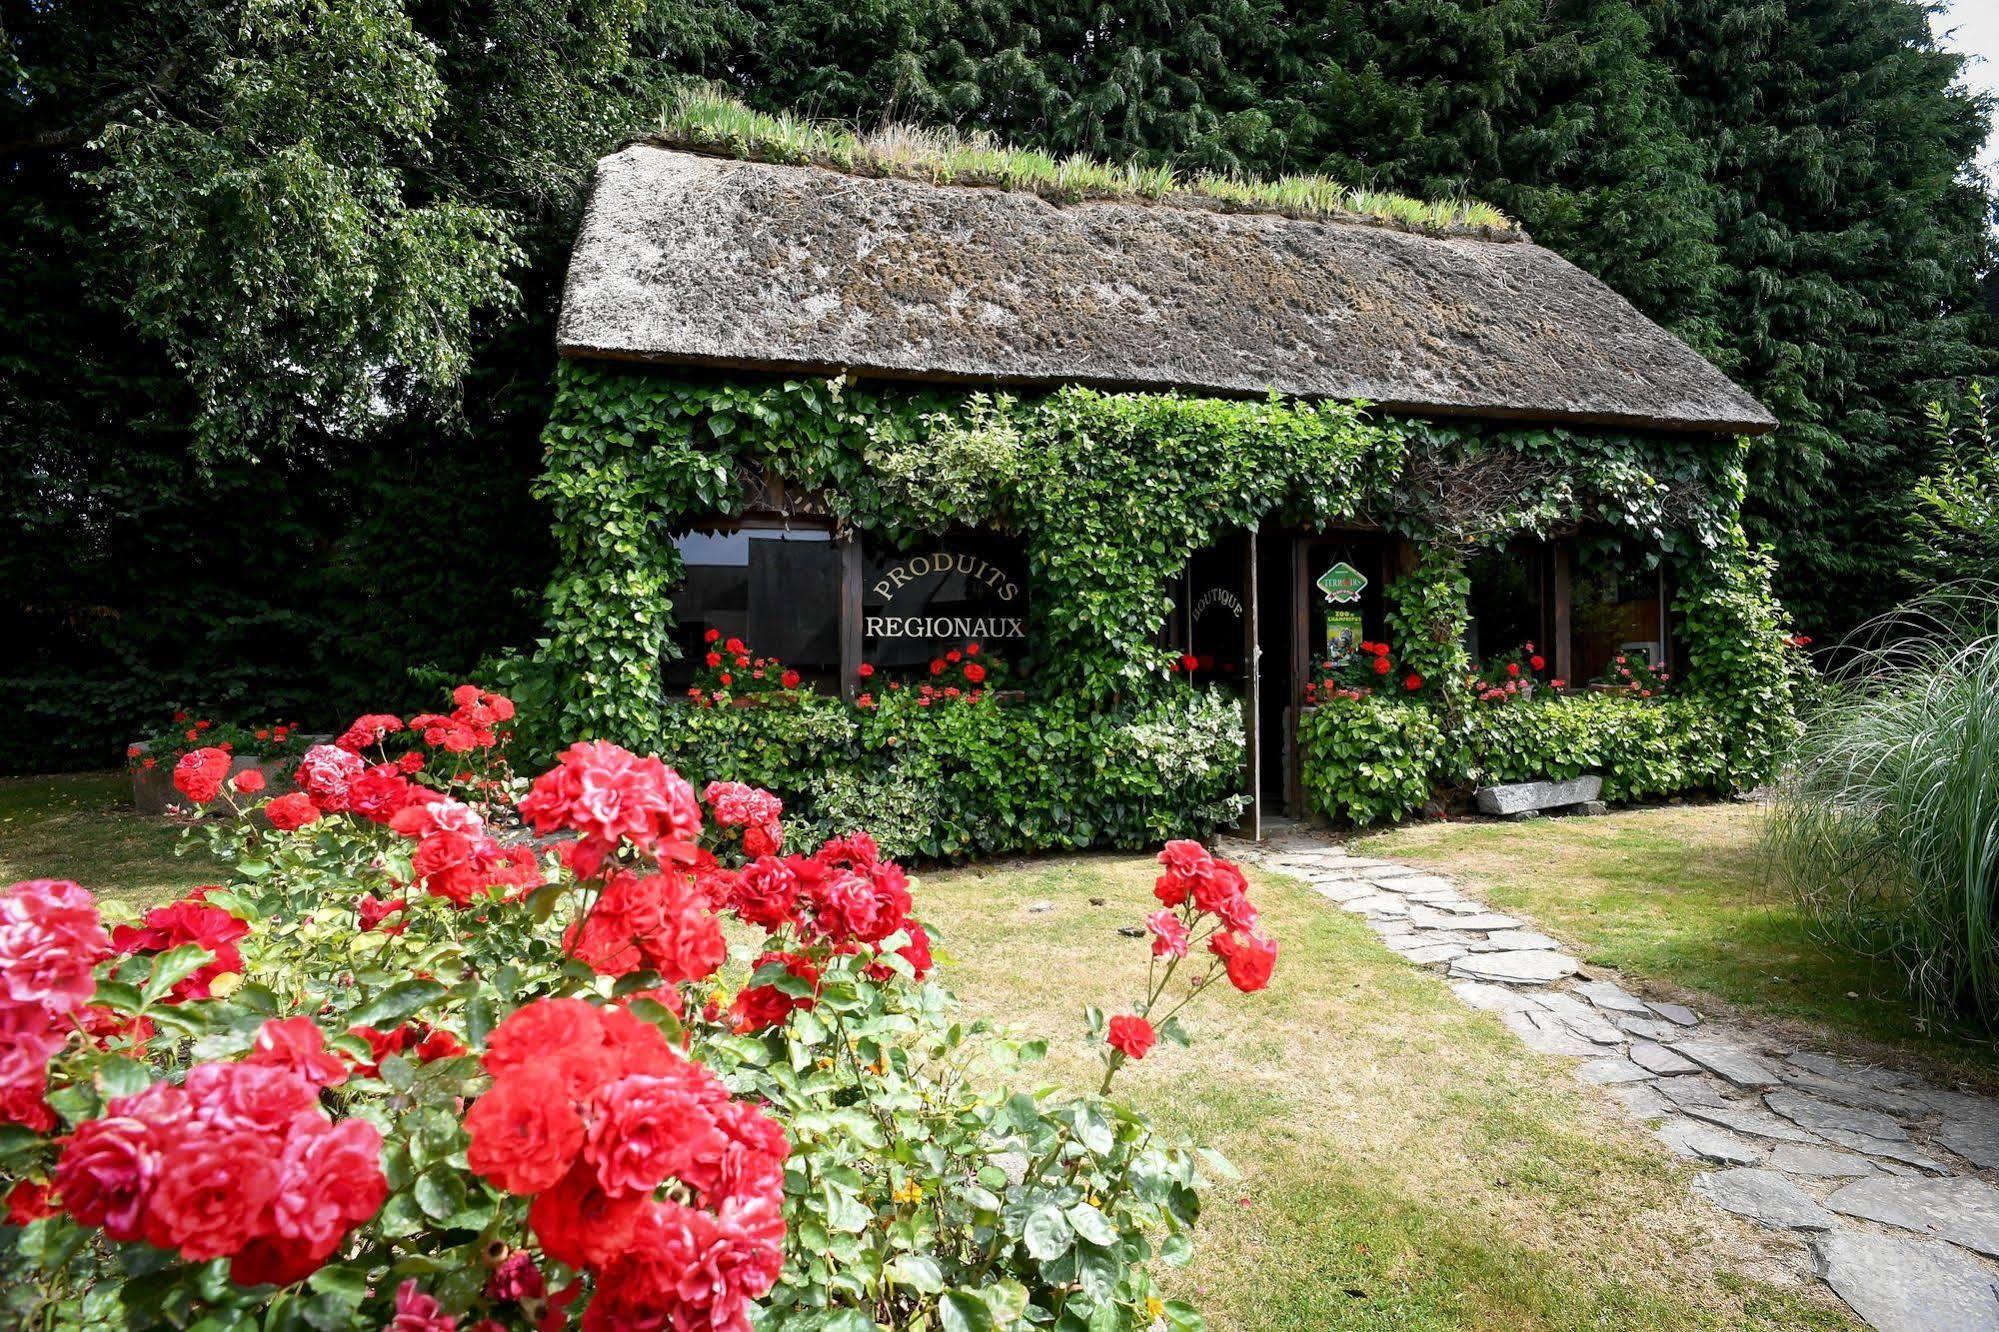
{"x": 1112, "y": 492}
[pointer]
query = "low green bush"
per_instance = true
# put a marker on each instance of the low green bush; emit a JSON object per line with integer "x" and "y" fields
{"x": 1369, "y": 760}
{"x": 957, "y": 779}
{"x": 1375, "y": 759}
{"x": 1643, "y": 748}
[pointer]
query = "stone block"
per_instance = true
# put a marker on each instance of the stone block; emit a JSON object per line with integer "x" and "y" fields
{"x": 1521, "y": 797}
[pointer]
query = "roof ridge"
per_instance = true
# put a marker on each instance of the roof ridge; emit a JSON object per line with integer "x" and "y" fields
{"x": 714, "y": 125}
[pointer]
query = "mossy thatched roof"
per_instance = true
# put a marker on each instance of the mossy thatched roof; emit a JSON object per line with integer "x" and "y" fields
{"x": 694, "y": 260}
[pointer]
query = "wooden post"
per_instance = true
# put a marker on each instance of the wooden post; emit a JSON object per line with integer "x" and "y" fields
{"x": 1253, "y": 700}
{"x": 850, "y": 616}
{"x": 1564, "y": 615}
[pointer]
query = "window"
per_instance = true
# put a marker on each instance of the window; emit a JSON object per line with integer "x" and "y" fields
{"x": 1618, "y": 600}
{"x": 1509, "y": 600}
{"x": 779, "y": 589}
{"x": 919, "y": 603}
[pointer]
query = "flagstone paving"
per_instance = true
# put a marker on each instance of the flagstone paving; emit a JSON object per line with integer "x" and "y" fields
{"x": 1886, "y": 1183}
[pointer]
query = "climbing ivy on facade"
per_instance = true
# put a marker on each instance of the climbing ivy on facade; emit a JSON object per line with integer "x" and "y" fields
{"x": 1111, "y": 494}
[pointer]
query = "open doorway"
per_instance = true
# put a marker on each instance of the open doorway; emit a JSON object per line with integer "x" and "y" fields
{"x": 1297, "y": 597}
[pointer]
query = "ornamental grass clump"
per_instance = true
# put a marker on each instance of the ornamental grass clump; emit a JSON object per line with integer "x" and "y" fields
{"x": 1887, "y": 826}
{"x": 453, "y": 1051}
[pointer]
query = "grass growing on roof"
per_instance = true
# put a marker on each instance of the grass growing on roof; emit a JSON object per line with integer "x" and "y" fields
{"x": 1406, "y": 1163}
{"x": 708, "y": 121}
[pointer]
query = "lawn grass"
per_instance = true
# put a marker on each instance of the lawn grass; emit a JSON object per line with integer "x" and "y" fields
{"x": 1680, "y": 900}
{"x": 1406, "y": 1163}
{"x": 82, "y": 826}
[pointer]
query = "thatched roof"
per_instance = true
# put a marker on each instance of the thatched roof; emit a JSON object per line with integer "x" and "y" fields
{"x": 692, "y": 260}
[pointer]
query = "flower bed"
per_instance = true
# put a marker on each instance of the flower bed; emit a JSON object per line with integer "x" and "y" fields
{"x": 411, "y": 1067}
{"x": 270, "y": 749}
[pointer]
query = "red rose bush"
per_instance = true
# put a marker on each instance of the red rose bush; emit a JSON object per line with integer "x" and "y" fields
{"x": 453, "y": 1051}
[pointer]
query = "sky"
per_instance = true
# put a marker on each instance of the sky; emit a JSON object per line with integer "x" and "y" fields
{"x": 1971, "y": 27}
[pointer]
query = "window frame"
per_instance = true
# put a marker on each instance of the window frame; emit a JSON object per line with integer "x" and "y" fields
{"x": 844, "y": 542}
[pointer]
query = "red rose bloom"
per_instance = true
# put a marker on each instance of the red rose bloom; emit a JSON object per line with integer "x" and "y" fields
{"x": 712, "y": 636}
{"x": 289, "y": 813}
{"x": 1250, "y": 957}
{"x": 1381, "y": 666}
{"x": 866, "y": 671}
{"x": 1131, "y": 1036}
{"x": 647, "y": 1129}
{"x": 29, "y": 1201}
{"x": 524, "y": 1132}
{"x": 212, "y": 1185}
{"x": 1412, "y": 682}
{"x": 610, "y": 795}
{"x": 759, "y": 1007}
{"x": 297, "y": 1046}
{"x": 1537, "y": 662}
{"x": 106, "y": 1174}
{"x": 579, "y": 1224}
{"x": 1513, "y": 668}
{"x": 200, "y": 773}
{"x": 974, "y": 672}
{"x": 249, "y": 781}
{"x": 766, "y": 893}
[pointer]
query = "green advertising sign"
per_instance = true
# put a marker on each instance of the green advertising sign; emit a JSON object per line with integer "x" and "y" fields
{"x": 1342, "y": 582}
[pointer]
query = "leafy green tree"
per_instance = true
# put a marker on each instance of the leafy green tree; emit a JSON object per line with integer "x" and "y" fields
{"x": 275, "y": 340}
{"x": 1954, "y": 511}
{"x": 1853, "y": 236}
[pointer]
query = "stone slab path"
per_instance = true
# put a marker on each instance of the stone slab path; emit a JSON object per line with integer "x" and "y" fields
{"x": 1886, "y": 1181}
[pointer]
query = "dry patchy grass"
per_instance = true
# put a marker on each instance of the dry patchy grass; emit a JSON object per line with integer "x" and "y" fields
{"x": 1407, "y": 1164}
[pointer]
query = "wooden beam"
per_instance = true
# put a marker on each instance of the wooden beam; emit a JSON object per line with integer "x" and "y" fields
{"x": 1564, "y": 611}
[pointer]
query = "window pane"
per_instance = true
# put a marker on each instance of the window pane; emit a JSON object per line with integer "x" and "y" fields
{"x": 777, "y": 590}
{"x": 1508, "y": 599}
{"x": 1617, "y": 608}
{"x": 964, "y": 589}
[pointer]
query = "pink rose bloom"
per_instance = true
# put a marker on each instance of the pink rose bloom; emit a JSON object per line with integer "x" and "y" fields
{"x": 418, "y": 1312}
{"x": 50, "y": 939}
{"x": 325, "y": 773}
{"x": 1169, "y": 934}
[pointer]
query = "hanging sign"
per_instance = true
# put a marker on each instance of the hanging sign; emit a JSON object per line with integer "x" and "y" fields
{"x": 1342, "y": 582}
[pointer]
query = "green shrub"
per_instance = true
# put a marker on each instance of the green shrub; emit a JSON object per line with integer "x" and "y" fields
{"x": 964, "y": 778}
{"x": 1369, "y": 759}
{"x": 1644, "y": 748}
{"x": 1887, "y": 827}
